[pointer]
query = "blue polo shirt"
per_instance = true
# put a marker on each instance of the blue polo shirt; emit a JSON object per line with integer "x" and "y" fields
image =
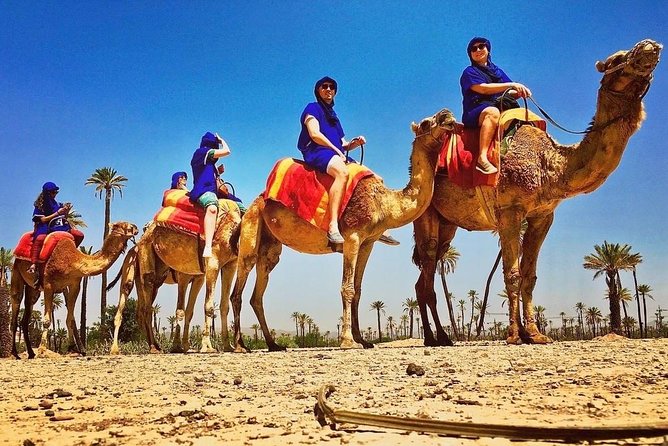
{"x": 333, "y": 132}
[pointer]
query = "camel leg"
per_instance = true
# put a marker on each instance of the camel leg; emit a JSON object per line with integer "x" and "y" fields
{"x": 211, "y": 279}
{"x": 226, "y": 277}
{"x": 18, "y": 287}
{"x": 269, "y": 254}
{"x": 350, "y": 255}
{"x": 46, "y": 319}
{"x": 432, "y": 240}
{"x": 510, "y": 221}
{"x": 362, "y": 259}
{"x": 249, "y": 241}
{"x": 147, "y": 285}
{"x": 182, "y": 281}
{"x": 25, "y": 325}
{"x": 195, "y": 287}
{"x": 127, "y": 283}
{"x": 72, "y": 332}
{"x": 533, "y": 240}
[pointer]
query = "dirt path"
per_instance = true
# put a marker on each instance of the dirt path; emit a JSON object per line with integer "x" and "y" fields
{"x": 268, "y": 399}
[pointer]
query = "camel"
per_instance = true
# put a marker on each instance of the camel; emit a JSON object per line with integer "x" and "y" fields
{"x": 536, "y": 175}
{"x": 127, "y": 276}
{"x": 372, "y": 209}
{"x": 62, "y": 274}
{"x": 166, "y": 249}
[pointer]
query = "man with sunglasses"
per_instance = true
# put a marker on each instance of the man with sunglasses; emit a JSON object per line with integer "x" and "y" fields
{"x": 482, "y": 83}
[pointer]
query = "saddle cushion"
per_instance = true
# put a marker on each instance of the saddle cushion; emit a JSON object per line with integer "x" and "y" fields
{"x": 179, "y": 213}
{"x": 460, "y": 150}
{"x": 22, "y": 250}
{"x": 304, "y": 190}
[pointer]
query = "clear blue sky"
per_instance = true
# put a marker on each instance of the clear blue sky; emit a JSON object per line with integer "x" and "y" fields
{"x": 134, "y": 85}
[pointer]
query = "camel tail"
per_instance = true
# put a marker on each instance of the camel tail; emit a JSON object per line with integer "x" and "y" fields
{"x": 415, "y": 257}
{"x": 115, "y": 281}
{"x": 234, "y": 239}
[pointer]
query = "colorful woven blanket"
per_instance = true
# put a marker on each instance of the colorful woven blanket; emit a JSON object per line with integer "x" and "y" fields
{"x": 180, "y": 214}
{"x": 22, "y": 250}
{"x": 304, "y": 190}
{"x": 460, "y": 150}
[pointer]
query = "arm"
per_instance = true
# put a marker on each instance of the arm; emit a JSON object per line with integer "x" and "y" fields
{"x": 313, "y": 128}
{"x": 353, "y": 143}
{"x": 223, "y": 151}
{"x": 47, "y": 218}
{"x": 487, "y": 89}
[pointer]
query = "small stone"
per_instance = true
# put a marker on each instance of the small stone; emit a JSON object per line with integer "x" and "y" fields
{"x": 414, "y": 369}
{"x": 237, "y": 381}
{"x": 46, "y": 404}
{"x": 427, "y": 353}
{"x": 61, "y": 418}
{"x": 49, "y": 413}
{"x": 60, "y": 393}
{"x": 27, "y": 408}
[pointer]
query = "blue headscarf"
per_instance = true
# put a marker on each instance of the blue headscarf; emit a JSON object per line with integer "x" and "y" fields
{"x": 330, "y": 114}
{"x": 175, "y": 178}
{"x": 50, "y": 204}
{"x": 490, "y": 71}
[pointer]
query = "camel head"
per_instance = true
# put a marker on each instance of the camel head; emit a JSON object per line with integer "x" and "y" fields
{"x": 123, "y": 229}
{"x": 629, "y": 73}
{"x": 435, "y": 126}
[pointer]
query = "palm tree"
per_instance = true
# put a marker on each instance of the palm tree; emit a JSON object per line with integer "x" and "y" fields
{"x": 404, "y": 324}
{"x": 171, "y": 320}
{"x": 295, "y": 315}
{"x": 156, "y": 310}
{"x": 84, "y": 298}
{"x": 539, "y": 311}
{"x": 410, "y": 305}
{"x": 390, "y": 327}
{"x": 624, "y": 297}
{"x": 563, "y": 323}
{"x": 302, "y": 323}
{"x": 255, "y": 327}
{"x": 635, "y": 284}
{"x": 473, "y": 295}
{"x": 6, "y": 260}
{"x": 580, "y": 307}
{"x": 106, "y": 181}
{"x": 446, "y": 265}
{"x": 462, "y": 303}
{"x": 56, "y": 305}
{"x": 609, "y": 259}
{"x": 593, "y": 318}
{"x": 628, "y": 323}
{"x": 378, "y": 306}
{"x": 644, "y": 290}
{"x": 214, "y": 313}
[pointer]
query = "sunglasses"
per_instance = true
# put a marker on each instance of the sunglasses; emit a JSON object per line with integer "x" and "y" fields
{"x": 328, "y": 87}
{"x": 478, "y": 47}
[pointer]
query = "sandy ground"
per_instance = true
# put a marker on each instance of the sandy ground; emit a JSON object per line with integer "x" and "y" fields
{"x": 268, "y": 398}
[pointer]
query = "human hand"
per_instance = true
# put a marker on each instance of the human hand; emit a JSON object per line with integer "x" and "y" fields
{"x": 521, "y": 90}
{"x": 356, "y": 142}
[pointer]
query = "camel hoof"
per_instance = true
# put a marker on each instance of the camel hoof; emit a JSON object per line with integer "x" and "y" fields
{"x": 431, "y": 342}
{"x": 155, "y": 351}
{"x": 540, "y": 339}
{"x": 114, "y": 351}
{"x": 276, "y": 348}
{"x": 208, "y": 350}
{"x": 347, "y": 344}
{"x": 177, "y": 349}
{"x": 513, "y": 340}
{"x": 241, "y": 350}
{"x": 446, "y": 342}
{"x": 228, "y": 348}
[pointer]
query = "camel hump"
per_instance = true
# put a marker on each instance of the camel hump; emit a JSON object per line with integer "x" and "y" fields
{"x": 50, "y": 243}
{"x": 523, "y": 116}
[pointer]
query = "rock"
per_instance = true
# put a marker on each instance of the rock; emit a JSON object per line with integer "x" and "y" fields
{"x": 61, "y": 418}
{"x": 237, "y": 381}
{"x": 46, "y": 404}
{"x": 414, "y": 369}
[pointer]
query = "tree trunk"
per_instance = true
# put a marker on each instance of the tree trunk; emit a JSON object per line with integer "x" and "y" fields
{"x": 448, "y": 301}
{"x": 103, "y": 290}
{"x": 644, "y": 309}
{"x": 483, "y": 308}
{"x": 380, "y": 333}
{"x": 84, "y": 294}
{"x": 635, "y": 283}
{"x": 5, "y": 334}
{"x": 613, "y": 300}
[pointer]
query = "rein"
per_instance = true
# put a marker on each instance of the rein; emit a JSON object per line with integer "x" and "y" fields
{"x": 361, "y": 155}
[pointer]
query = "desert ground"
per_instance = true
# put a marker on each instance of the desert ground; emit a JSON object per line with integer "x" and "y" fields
{"x": 268, "y": 398}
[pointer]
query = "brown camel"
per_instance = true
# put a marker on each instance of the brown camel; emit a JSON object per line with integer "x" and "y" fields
{"x": 167, "y": 249}
{"x": 268, "y": 225}
{"x": 536, "y": 175}
{"x": 127, "y": 277}
{"x": 62, "y": 274}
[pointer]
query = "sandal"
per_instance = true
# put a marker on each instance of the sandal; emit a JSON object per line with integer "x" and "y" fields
{"x": 388, "y": 240}
{"x": 486, "y": 167}
{"x": 335, "y": 237}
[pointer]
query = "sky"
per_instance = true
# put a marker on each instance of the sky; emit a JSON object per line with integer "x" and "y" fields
{"x": 134, "y": 86}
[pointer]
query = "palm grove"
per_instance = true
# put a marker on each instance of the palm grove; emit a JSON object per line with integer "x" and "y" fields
{"x": 466, "y": 314}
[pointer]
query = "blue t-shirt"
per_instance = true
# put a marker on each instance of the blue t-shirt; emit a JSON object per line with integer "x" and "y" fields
{"x": 472, "y": 76}
{"x": 204, "y": 172}
{"x": 58, "y": 223}
{"x": 332, "y": 132}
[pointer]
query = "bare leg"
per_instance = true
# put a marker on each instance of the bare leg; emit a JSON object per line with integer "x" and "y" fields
{"x": 209, "y": 229}
{"x": 488, "y": 120}
{"x": 338, "y": 170}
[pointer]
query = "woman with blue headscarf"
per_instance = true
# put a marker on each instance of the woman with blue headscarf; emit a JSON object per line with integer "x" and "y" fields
{"x": 482, "y": 83}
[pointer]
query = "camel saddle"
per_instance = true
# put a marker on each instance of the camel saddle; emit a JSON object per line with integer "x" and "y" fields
{"x": 180, "y": 214}
{"x": 460, "y": 148}
{"x": 22, "y": 250}
{"x": 305, "y": 190}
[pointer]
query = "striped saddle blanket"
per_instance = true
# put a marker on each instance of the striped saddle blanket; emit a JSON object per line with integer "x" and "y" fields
{"x": 304, "y": 190}
{"x": 179, "y": 213}
{"x": 22, "y": 250}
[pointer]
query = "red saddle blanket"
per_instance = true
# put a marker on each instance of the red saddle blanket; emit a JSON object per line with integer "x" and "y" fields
{"x": 304, "y": 190}
{"x": 459, "y": 155}
{"x": 179, "y": 213}
{"x": 22, "y": 250}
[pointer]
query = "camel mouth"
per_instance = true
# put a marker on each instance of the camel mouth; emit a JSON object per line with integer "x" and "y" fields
{"x": 644, "y": 57}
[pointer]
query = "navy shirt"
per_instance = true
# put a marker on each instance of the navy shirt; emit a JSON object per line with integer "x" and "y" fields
{"x": 472, "y": 76}
{"x": 332, "y": 132}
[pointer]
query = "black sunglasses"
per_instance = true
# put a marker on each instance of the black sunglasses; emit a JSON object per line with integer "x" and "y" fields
{"x": 328, "y": 87}
{"x": 478, "y": 47}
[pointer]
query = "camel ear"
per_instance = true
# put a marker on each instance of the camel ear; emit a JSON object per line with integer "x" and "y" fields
{"x": 414, "y": 127}
{"x": 600, "y": 66}
{"x": 110, "y": 226}
{"x": 613, "y": 60}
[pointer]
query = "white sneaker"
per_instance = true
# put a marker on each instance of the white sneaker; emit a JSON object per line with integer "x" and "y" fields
{"x": 207, "y": 252}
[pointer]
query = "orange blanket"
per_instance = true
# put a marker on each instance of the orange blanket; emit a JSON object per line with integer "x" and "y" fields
{"x": 179, "y": 213}
{"x": 22, "y": 250}
{"x": 459, "y": 155}
{"x": 304, "y": 190}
